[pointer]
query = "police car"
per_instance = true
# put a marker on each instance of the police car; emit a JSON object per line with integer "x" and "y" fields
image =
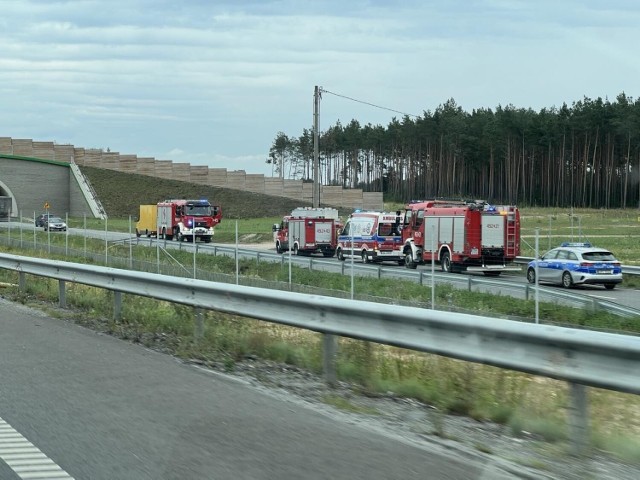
{"x": 576, "y": 264}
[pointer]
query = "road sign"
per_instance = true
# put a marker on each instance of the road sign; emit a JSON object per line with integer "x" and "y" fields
{"x": 46, "y": 205}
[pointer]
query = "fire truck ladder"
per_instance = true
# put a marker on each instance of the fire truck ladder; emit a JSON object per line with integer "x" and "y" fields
{"x": 511, "y": 234}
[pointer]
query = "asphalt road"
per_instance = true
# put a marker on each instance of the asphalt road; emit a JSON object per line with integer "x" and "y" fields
{"x": 621, "y": 296}
{"x": 102, "y": 408}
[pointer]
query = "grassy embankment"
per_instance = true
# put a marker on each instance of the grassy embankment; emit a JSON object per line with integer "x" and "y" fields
{"x": 521, "y": 401}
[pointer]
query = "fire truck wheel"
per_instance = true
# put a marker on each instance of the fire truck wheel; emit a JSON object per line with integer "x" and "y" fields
{"x": 365, "y": 257}
{"x": 340, "y": 255}
{"x": 179, "y": 236}
{"x": 295, "y": 249}
{"x": 409, "y": 262}
{"x": 137, "y": 233}
{"x": 278, "y": 247}
{"x": 445, "y": 262}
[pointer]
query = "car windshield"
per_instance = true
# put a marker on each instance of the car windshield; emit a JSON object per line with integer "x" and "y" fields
{"x": 602, "y": 256}
{"x": 55, "y": 220}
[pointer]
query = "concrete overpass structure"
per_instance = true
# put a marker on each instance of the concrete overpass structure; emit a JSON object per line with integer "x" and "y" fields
{"x": 198, "y": 174}
{"x": 34, "y": 183}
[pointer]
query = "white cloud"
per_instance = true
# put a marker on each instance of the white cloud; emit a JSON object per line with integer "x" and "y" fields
{"x": 215, "y": 81}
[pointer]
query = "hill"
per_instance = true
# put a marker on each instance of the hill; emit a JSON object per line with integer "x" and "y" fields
{"x": 122, "y": 193}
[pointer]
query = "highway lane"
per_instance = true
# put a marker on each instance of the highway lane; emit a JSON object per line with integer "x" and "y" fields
{"x": 102, "y": 408}
{"x": 509, "y": 283}
{"x": 621, "y": 296}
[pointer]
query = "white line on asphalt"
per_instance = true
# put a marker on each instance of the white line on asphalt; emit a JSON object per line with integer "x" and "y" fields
{"x": 24, "y": 458}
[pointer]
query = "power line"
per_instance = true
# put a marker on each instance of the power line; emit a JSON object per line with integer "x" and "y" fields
{"x": 322, "y": 90}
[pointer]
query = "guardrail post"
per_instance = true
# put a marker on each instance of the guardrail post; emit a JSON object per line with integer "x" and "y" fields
{"x": 595, "y": 306}
{"x": 62, "y": 295}
{"x": 526, "y": 291}
{"x": 22, "y": 281}
{"x": 198, "y": 327}
{"x": 311, "y": 264}
{"x": 421, "y": 278}
{"x": 117, "y": 306}
{"x": 469, "y": 282}
{"x": 379, "y": 273}
{"x": 578, "y": 419}
{"x": 329, "y": 351}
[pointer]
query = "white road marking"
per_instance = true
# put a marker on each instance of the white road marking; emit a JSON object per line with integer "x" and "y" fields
{"x": 24, "y": 458}
{"x": 602, "y": 297}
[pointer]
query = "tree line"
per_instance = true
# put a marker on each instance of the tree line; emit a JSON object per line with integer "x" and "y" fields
{"x": 583, "y": 155}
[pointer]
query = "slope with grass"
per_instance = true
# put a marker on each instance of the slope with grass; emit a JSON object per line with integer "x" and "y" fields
{"x": 121, "y": 194}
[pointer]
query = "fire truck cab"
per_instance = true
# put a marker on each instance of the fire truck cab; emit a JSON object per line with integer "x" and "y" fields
{"x": 459, "y": 236}
{"x": 187, "y": 220}
{"x": 307, "y": 231}
{"x": 372, "y": 237}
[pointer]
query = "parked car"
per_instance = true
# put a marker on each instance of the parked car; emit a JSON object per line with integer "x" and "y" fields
{"x": 54, "y": 224}
{"x": 41, "y": 218}
{"x": 576, "y": 264}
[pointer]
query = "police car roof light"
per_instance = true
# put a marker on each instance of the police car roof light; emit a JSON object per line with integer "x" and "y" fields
{"x": 576, "y": 244}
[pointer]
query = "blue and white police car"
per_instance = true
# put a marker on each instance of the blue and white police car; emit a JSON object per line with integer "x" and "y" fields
{"x": 576, "y": 264}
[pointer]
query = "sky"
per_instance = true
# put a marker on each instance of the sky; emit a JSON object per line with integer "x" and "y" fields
{"x": 212, "y": 82}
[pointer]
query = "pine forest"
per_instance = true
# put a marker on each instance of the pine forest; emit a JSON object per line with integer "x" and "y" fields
{"x": 585, "y": 155}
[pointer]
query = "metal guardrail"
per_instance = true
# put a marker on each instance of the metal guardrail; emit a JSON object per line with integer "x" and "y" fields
{"x": 423, "y": 277}
{"x": 591, "y": 358}
{"x": 626, "y": 269}
{"x": 630, "y": 270}
{"x": 580, "y": 357}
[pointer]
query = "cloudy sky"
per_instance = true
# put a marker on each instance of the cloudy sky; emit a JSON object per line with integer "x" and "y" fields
{"x": 211, "y": 82}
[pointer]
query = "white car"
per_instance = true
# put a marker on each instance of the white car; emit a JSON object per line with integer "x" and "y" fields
{"x": 54, "y": 224}
{"x": 576, "y": 264}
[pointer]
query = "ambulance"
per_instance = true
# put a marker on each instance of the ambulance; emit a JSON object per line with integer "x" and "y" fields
{"x": 373, "y": 237}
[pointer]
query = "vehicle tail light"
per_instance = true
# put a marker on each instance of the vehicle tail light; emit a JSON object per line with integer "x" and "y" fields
{"x": 586, "y": 264}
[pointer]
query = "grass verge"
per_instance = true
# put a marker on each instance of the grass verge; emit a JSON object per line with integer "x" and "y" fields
{"x": 522, "y": 402}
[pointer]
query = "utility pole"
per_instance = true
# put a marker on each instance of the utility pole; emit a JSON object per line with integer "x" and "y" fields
{"x": 316, "y": 159}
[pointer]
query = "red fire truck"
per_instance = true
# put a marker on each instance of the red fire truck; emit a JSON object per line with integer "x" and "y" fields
{"x": 185, "y": 219}
{"x": 372, "y": 237}
{"x": 473, "y": 236}
{"x": 307, "y": 231}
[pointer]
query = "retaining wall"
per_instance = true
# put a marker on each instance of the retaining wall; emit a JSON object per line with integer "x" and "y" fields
{"x": 218, "y": 177}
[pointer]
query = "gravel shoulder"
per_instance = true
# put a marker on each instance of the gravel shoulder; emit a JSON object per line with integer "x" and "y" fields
{"x": 524, "y": 457}
{"x": 405, "y": 419}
